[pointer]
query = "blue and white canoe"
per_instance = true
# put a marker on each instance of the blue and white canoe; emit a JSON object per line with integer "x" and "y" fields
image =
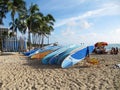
{"x": 54, "y": 59}
{"x": 29, "y": 52}
{"x": 34, "y": 50}
{"x": 63, "y": 55}
{"x": 76, "y": 56}
{"x": 53, "y": 48}
{"x": 46, "y": 59}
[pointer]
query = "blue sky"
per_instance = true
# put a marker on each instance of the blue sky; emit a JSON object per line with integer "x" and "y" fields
{"x": 82, "y": 21}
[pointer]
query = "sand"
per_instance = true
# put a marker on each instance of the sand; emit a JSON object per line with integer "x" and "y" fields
{"x": 19, "y": 73}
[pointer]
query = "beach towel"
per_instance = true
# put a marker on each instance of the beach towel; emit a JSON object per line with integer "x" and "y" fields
{"x": 93, "y": 61}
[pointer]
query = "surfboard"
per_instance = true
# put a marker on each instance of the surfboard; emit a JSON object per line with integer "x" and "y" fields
{"x": 54, "y": 59}
{"x": 46, "y": 59}
{"x": 65, "y": 54}
{"x": 29, "y": 52}
{"x": 45, "y": 49}
{"x": 41, "y": 55}
{"x": 34, "y": 50}
{"x": 77, "y": 56}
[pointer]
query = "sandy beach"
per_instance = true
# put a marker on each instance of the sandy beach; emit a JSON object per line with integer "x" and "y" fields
{"x": 19, "y": 73}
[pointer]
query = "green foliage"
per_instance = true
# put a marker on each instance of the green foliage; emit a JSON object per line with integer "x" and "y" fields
{"x": 3, "y": 9}
{"x": 31, "y": 18}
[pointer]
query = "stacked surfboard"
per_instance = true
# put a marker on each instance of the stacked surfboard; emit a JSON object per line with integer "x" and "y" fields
{"x": 68, "y": 55}
{"x": 65, "y": 57}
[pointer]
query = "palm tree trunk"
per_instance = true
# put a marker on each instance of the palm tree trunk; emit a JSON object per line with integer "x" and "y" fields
{"x": 29, "y": 41}
{"x": 39, "y": 40}
{"x": 48, "y": 40}
{"x": 42, "y": 41}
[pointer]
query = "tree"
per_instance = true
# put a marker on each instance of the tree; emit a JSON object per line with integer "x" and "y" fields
{"x": 47, "y": 27}
{"x": 30, "y": 19}
{"x": 15, "y": 6}
{"x": 3, "y": 10}
{"x": 33, "y": 16}
{"x": 18, "y": 24}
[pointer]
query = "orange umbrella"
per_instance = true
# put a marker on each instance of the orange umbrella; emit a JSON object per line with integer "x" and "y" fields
{"x": 100, "y": 44}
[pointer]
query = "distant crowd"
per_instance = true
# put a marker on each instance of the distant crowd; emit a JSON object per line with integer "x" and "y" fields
{"x": 114, "y": 50}
{"x": 102, "y": 50}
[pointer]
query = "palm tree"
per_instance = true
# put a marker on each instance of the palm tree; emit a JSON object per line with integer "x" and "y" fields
{"x": 16, "y": 6}
{"x": 3, "y": 10}
{"x": 47, "y": 27}
{"x": 18, "y": 24}
{"x": 30, "y": 19}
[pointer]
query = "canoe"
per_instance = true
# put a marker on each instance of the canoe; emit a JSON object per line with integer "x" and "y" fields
{"x": 76, "y": 56}
{"x": 41, "y": 55}
{"x": 46, "y": 59}
{"x": 54, "y": 59}
{"x": 29, "y": 52}
{"x": 45, "y": 49}
{"x": 65, "y": 54}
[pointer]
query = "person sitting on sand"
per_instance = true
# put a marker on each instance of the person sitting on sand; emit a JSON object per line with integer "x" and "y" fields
{"x": 112, "y": 50}
{"x": 116, "y": 50}
{"x": 100, "y": 50}
{"x": 103, "y": 50}
{"x": 97, "y": 50}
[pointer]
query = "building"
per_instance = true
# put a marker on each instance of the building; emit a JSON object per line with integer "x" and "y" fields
{"x": 3, "y": 30}
{"x": 11, "y": 44}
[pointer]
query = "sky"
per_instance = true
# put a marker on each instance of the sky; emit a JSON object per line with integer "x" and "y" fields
{"x": 81, "y": 21}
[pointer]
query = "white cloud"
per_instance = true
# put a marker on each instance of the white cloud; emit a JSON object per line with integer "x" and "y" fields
{"x": 81, "y": 24}
{"x": 104, "y": 10}
{"x": 114, "y": 35}
{"x": 72, "y": 23}
{"x": 71, "y": 27}
{"x": 68, "y": 33}
{"x": 85, "y": 24}
{"x": 69, "y": 36}
{"x": 111, "y": 37}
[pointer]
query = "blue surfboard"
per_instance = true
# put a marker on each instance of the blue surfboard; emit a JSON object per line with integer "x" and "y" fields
{"x": 29, "y": 52}
{"x": 54, "y": 59}
{"x": 33, "y": 50}
{"x": 53, "y": 48}
{"x": 63, "y": 55}
{"x": 77, "y": 56}
{"x": 46, "y": 59}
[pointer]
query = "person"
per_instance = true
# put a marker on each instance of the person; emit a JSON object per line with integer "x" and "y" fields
{"x": 97, "y": 50}
{"x": 116, "y": 50}
{"x": 103, "y": 50}
{"x": 112, "y": 50}
{"x": 100, "y": 50}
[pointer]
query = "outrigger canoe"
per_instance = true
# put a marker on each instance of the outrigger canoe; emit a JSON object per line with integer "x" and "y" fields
{"x": 41, "y": 55}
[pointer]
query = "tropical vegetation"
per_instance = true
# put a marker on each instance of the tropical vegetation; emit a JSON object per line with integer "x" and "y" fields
{"x": 23, "y": 19}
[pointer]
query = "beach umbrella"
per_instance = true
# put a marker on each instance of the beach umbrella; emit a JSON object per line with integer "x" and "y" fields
{"x": 100, "y": 44}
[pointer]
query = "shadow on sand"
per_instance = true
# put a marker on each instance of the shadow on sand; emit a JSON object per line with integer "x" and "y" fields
{"x": 37, "y": 64}
{"x": 7, "y": 53}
